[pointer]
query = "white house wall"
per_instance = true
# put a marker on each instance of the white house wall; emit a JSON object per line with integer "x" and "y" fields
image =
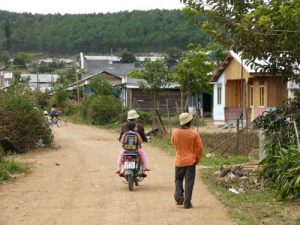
{"x": 292, "y": 86}
{"x": 218, "y": 110}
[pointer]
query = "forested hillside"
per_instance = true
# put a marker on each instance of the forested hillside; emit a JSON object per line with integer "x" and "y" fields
{"x": 138, "y": 31}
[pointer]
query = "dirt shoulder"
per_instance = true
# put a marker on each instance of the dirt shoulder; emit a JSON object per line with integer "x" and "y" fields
{"x": 76, "y": 185}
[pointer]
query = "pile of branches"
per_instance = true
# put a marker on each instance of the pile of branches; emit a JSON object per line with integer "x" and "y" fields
{"x": 240, "y": 178}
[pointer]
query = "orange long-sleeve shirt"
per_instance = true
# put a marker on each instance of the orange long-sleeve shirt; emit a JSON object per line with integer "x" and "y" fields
{"x": 188, "y": 146}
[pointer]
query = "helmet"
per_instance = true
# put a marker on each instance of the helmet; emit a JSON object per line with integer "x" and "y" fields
{"x": 45, "y": 113}
{"x": 132, "y": 114}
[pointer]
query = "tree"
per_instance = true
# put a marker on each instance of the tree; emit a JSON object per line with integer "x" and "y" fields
{"x": 22, "y": 59}
{"x": 216, "y": 52}
{"x": 155, "y": 76}
{"x": 100, "y": 86}
{"x": 61, "y": 94}
{"x": 7, "y": 34}
{"x": 268, "y": 31}
{"x": 192, "y": 72}
{"x": 127, "y": 57}
{"x": 4, "y": 59}
{"x": 138, "y": 31}
{"x": 173, "y": 56}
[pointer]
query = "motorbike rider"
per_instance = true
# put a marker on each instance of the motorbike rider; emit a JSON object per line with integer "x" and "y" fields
{"x": 132, "y": 117}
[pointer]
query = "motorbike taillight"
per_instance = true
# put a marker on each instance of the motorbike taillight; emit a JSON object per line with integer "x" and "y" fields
{"x": 129, "y": 158}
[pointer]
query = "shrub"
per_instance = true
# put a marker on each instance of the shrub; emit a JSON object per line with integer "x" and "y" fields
{"x": 102, "y": 109}
{"x": 123, "y": 115}
{"x": 283, "y": 168}
{"x": 71, "y": 108}
{"x": 22, "y": 124}
{"x": 282, "y": 162}
{"x": 145, "y": 117}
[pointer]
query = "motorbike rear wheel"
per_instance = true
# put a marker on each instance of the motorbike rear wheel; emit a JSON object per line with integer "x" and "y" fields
{"x": 130, "y": 182}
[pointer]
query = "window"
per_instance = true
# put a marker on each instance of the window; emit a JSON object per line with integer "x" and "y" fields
{"x": 261, "y": 95}
{"x": 219, "y": 95}
{"x": 251, "y": 95}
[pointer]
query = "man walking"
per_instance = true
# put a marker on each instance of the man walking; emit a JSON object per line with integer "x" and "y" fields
{"x": 189, "y": 148}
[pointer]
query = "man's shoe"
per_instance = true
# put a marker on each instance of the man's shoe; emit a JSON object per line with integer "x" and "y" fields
{"x": 188, "y": 206}
{"x": 180, "y": 201}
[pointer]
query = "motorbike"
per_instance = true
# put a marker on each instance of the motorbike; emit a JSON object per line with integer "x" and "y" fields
{"x": 133, "y": 170}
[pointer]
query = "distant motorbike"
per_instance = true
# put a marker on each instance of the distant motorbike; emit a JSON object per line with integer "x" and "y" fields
{"x": 133, "y": 171}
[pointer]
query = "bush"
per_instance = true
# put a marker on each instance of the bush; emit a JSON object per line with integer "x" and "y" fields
{"x": 282, "y": 162}
{"x": 22, "y": 124}
{"x": 123, "y": 115}
{"x": 145, "y": 117}
{"x": 283, "y": 168}
{"x": 102, "y": 110}
{"x": 71, "y": 108}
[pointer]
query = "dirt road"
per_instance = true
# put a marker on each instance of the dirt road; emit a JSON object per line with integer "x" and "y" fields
{"x": 76, "y": 185}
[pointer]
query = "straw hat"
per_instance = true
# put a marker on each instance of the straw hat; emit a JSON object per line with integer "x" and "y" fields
{"x": 184, "y": 118}
{"x": 132, "y": 114}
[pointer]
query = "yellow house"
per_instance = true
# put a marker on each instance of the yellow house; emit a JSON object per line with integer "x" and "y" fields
{"x": 241, "y": 92}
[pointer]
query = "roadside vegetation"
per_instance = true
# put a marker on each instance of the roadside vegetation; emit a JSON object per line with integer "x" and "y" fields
{"x": 10, "y": 168}
{"x": 22, "y": 124}
{"x": 282, "y": 163}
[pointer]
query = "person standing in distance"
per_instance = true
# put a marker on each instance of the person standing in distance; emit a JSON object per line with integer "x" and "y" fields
{"x": 189, "y": 149}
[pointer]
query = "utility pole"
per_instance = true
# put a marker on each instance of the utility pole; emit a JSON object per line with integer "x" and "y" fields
{"x": 77, "y": 80}
{"x": 37, "y": 81}
{"x": 242, "y": 94}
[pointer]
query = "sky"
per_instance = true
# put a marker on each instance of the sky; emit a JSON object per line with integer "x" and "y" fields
{"x": 85, "y": 6}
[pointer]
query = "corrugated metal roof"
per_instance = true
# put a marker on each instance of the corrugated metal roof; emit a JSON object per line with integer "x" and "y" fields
{"x": 98, "y": 66}
{"x": 41, "y": 78}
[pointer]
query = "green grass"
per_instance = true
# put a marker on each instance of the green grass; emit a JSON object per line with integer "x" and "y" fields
{"x": 8, "y": 168}
{"x": 254, "y": 207}
{"x": 217, "y": 161}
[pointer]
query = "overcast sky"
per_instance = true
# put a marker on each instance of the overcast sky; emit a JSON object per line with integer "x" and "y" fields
{"x": 85, "y": 6}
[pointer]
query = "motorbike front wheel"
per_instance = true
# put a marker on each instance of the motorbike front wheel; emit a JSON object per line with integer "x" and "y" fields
{"x": 130, "y": 182}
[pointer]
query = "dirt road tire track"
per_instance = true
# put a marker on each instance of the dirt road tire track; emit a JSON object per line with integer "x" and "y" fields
{"x": 76, "y": 185}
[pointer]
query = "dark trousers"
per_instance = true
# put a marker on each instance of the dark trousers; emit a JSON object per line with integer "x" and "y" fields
{"x": 187, "y": 174}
